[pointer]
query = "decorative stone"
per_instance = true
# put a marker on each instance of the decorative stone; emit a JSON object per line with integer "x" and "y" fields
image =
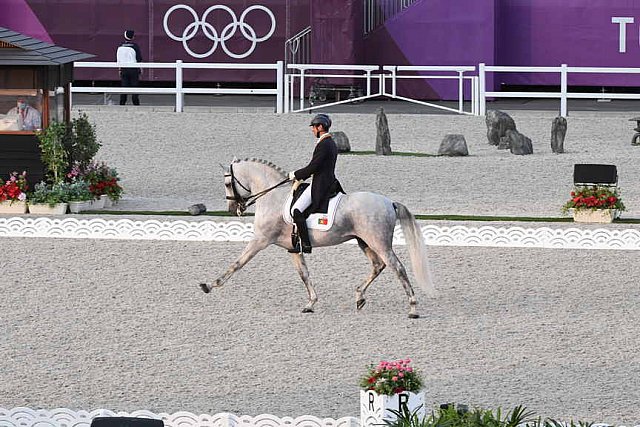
{"x": 498, "y": 123}
{"x": 453, "y": 145}
{"x": 197, "y": 209}
{"x": 558, "y": 132}
{"x": 342, "y": 141}
{"x": 635, "y": 140}
{"x": 518, "y": 143}
{"x": 383, "y": 136}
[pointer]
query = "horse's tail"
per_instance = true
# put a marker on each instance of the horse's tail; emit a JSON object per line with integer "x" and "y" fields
{"x": 417, "y": 248}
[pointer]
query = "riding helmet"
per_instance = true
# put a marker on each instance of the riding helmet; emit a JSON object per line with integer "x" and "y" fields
{"x": 321, "y": 119}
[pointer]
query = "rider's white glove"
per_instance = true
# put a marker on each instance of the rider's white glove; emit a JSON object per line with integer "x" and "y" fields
{"x": 292, "y": 176}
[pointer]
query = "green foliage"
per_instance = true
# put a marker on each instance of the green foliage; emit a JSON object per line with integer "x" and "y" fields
{"x": 83, "y": 144}
{"x": 78, "y": 191}
{"x": 49, "y": 194}
{"x": 460, "y": 416}
{"x": 53, "y": 152}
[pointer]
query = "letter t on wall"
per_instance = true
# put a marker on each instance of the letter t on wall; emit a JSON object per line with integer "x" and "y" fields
{"x": 622, "y": 21}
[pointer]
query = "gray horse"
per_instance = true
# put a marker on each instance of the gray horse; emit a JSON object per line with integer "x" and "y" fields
{"x": 367, "y": 217}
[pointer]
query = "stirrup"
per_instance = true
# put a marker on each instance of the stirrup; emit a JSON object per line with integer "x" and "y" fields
{"x": 296, "y": 248}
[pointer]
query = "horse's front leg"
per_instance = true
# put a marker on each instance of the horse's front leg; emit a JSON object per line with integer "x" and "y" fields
{"x": 249, "y": 252}
{"x": 303, "y": 271}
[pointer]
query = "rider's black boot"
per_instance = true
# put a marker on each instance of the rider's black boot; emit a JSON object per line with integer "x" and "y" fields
{"x": 295, "y": 242}
{"x": 303, "y": 232}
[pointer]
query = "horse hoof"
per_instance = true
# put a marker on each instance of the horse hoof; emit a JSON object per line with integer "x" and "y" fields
{"x": 307, "y": 310}
{"x": 414, "y": 316}
{"x": 204, "y": 288}
{"x": 360, "y": 303}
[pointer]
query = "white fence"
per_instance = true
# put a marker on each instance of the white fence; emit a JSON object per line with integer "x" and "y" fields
{"x": 179, "y": 90}
{"x": 563, "y": 95}
{"x": 62, "y": 417}
{"x": 286, "y": 83}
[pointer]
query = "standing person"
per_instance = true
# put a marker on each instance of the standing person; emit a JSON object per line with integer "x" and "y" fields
{"x": 28, "y": 118}
{"x": 315, "y": 198}
{"x": 129, "y": 53}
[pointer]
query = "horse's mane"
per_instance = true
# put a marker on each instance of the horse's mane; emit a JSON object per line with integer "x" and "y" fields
{"x": 264, "y": 162}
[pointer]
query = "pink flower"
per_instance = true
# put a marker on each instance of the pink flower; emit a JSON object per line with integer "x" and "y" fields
{"x": 394, "y": 378}
{"x": 401, "y": 374}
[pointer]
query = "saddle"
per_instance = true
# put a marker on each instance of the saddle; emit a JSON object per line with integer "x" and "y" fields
{"x": 316, "y": 221}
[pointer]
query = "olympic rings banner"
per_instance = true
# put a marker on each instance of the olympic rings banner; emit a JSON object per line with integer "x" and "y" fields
{"x": 228, "y": 31}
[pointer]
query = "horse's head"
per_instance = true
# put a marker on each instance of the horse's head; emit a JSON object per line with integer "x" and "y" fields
{"x": 236, "y": 191}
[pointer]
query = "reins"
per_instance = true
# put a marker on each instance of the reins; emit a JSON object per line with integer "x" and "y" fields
{"x": 245, "y": 202}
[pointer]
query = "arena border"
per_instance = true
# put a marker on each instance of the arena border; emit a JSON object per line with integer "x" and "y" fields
{"x": 63, "y": 417}
{"x": 237, "y": 231}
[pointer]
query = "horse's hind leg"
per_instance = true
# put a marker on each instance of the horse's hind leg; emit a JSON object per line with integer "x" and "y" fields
{"x": 390, "y": 258}
{"x": 377, "y": 267}
{"x": 303, "y": 271}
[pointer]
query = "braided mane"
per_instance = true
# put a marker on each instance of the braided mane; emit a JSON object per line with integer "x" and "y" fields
{"x": 264, "y": 162}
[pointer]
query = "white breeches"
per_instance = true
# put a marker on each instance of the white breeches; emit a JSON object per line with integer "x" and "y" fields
{"x": 303, "y": 202}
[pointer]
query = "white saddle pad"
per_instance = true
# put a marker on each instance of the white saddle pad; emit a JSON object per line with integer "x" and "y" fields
{"x": 317, "y": 221}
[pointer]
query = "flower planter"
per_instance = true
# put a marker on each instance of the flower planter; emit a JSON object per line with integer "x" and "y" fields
{"x": 79, "y": 206}
{"x": 97, "y": 203}
{"x": 45, "y": 209}
{"x": 600, "y": 216}
{"x": 375, "y": 408}
{"x": 13, "y": 207}
{"x": 106, "y": 200}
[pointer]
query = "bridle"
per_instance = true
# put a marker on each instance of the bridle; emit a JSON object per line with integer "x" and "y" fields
{"x": 244, "y": 202}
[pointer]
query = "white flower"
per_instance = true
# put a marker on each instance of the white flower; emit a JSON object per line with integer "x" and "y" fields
{"x": 22, "y": 197}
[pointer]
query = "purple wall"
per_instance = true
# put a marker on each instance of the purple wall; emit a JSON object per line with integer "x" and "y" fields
{"x": 573, "y": 32}
{"x": 435, "y": 32}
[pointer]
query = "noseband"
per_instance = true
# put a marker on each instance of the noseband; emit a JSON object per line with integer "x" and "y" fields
{"x": 244, "y": 202}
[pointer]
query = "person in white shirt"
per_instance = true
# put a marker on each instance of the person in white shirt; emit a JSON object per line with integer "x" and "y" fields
{"x": 129, "y": 53}
{"x": 28, "y": 118}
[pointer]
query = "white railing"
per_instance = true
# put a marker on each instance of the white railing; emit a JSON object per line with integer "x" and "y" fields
{"x": 563, "y": 95}
{"x": 62, "y": 417}
{"x": 179, "y": 90}
{"x": 459, "y": 71}
{"x": 377, "y": 12}
{"x": 297, "y": 50}
{"x": 344, "y": 71}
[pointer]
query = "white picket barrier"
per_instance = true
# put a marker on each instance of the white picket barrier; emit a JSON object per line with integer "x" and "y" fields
{"x": 179, "y": 90}
{"x": 563, "y": 94}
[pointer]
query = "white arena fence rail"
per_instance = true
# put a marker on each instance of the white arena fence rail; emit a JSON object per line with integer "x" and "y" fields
{"x": 563, "y": 95}
{"x": 238, "y": 231}
{"x": 305, "y": 71}
{"x": 179, "y": 90}
{"x": 63, "y": 417}
{"x": 459, "y": 74}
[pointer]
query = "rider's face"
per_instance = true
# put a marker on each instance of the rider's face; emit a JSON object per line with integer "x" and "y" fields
{"x": 315, "y": 129}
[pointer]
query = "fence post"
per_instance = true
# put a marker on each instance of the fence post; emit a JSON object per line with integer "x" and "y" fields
{"x": 301, "y": 88}
{"x": 482, "y": 107}
{"x": 460, "y": 91}
{"x": 563, "y": 90}
{"x": 285, "y": 101}
{"x": 179, "y": 97}
{"x": 279, "y": 86}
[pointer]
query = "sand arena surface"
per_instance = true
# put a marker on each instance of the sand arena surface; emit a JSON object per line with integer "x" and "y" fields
{"x": 170, "y": 161}
{"x": 90, "y": 324}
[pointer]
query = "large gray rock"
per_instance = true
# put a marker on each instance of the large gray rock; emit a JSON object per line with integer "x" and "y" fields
{"x": 383, "y": 137}
{"x": 518, "y": 143}
{"x": 558, "y": 132}
{"x": 453, "y": 145}
{"x": 342, "y": 141}
{"x": 498, "y": 123}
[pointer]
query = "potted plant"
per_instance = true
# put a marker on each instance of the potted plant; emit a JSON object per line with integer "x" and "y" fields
{"x": 48, "y": 199}
{"x": 53, "y": 152}
{"x": 13, "y": 193}
{"x": 390, "y": 388}
{"x": 594, "y": 203}
{"x": 78, "y": 195}
{"x": 103, "y": 182}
